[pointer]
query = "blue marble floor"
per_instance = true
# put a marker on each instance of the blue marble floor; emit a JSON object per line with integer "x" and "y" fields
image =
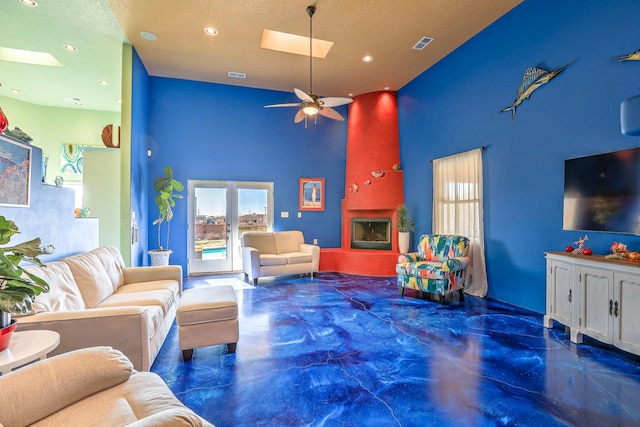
{"x": 345, "y": 350}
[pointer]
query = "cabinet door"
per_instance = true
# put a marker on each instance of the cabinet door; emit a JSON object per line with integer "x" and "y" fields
{"x": 626, "y": 314}
{"x": 597, "y": 298}
{"x": 560, "y": 292}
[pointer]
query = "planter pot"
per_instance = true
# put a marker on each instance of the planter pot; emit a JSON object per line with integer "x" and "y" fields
{"x": 5, "y": 319}
{"x": 5, "y": 335}
{"x": 159, "y": 257}
{"x": 403, "y": 241}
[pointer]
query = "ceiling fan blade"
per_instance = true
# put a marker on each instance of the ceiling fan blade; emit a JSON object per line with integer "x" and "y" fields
{"x": 299, "y": 116}
{"x": 331, "y": 113}
{"x": 334, "y": 101}
{"x": 303, "y": 95}
{"x": 293, "y": 104}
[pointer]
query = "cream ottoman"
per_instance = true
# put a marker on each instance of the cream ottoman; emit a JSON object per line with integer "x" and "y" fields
{"x": 207, "y": 316}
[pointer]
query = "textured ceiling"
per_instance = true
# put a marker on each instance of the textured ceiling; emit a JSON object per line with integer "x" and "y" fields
{"x": 385, "y": 29}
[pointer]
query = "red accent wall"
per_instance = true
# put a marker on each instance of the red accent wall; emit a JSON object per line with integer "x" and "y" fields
{"x": 373, "y": 145}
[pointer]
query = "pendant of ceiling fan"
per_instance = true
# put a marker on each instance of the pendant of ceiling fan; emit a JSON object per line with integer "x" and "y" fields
{"x": 312, "y": 104}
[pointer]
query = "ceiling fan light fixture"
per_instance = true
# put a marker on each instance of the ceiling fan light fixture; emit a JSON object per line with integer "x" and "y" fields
{"x": 310, "y": 110}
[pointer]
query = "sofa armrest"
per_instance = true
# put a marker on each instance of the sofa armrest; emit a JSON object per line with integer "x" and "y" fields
{"x": 127, "y": 329}
{"x": 314, "y": 250}
{"x": 408, "y": 257}
{"x": 455, "y": 264}
{"x": 55, "y": 383}
{"x": 151, "y": 273}
{"x": 251, "y": 261}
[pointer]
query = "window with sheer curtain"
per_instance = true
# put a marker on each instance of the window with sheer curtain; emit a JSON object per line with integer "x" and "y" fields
{"x": 457, "y": 209}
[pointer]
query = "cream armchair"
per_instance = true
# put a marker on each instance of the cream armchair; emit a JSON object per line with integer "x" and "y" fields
{"x": 96, "y": 386}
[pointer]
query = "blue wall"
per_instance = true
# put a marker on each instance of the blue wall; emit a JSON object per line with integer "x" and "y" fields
{"x": 454, "y": 107}
{"x": 208, "y": 131}
{"x": 139, "y": 162}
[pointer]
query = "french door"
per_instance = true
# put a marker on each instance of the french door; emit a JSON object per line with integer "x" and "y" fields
{"x": 220, "y": 212}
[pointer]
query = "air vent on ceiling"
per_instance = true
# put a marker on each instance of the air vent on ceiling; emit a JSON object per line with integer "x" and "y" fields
{"x": 237, "y": 75}
{"x": 422, "y": 43}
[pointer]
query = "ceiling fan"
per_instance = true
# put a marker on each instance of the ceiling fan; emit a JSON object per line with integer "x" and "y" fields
{"x": 312, "y": 104}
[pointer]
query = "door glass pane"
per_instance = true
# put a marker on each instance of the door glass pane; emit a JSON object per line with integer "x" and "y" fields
{"x": 210, "y": 237}
{"x": 252, "y": 210}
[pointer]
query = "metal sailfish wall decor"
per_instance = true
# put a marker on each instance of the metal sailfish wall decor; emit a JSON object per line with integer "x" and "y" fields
{"x": 634, "y": 56}
{"x": 533, "y": 79}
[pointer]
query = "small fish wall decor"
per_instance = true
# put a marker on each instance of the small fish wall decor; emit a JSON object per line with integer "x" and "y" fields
{"x": 378, "y": 174}
{"x": 634, "y": 56}
{"x": 533, "y": 79}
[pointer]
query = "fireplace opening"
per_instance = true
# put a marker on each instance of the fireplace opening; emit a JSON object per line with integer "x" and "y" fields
{"x": 371, "y": 233}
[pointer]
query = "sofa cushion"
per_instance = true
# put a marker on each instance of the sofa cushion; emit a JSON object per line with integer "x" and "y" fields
{"x": 298, "y": 257}
{"x": 265, "y": 243}
{"x": 153, "y": 285}
{"x": 91, "y": 277}
{"x": 112, "y": 261}
{"x": 63, "y": 293}
{"x": 269, "y": 259}
{"x": 288, "y": 241}
{"x": 161, "y": 298}
{"x": 83, "y": 373}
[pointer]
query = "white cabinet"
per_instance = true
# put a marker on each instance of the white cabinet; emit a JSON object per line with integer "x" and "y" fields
{"x": 595, "y": 297}
{"x": 559, "y": 292}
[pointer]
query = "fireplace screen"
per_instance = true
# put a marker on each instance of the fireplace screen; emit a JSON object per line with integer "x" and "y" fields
{"x": 371, "y": 233}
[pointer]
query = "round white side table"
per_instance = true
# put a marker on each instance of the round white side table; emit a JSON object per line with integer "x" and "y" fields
{"x": 27, "y": 346}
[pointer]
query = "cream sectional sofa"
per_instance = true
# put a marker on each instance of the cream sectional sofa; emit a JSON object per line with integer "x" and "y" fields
{"x": 96, "y": 301}
{"x": 278, "y": 253}
{"x": 96, "y": 386}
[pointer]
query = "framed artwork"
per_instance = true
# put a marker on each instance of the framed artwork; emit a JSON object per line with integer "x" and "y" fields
{"x": 311, "y": 194}
{"x": 15, "y": 173}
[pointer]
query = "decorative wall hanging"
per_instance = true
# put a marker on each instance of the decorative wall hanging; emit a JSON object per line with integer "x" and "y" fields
{"x": 311, "y": 194}
{"x": 634, "y": 56}
{"x": 111, "y": 136}
{"x": 533, "y": 79}
{"x": 378, "y": 174}
{"x": 71, "y": 160}
{"x": 15, "y": 173}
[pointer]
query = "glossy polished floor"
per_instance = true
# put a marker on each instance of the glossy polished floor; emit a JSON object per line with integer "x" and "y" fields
{"x": 345, "y": 350}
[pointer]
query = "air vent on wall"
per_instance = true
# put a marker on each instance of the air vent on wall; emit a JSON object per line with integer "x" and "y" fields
{"x": 422, "y": 43}
{"x": 237, "y": 75}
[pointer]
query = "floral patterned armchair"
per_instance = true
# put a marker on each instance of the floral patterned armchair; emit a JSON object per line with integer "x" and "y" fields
{"x": 439, "y": 267}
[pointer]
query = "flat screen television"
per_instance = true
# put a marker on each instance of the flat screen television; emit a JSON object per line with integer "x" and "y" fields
{"x": 602, "y": 192}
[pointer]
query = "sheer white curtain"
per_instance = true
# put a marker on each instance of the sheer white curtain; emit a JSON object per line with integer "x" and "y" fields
{"x": 457, "y": 209}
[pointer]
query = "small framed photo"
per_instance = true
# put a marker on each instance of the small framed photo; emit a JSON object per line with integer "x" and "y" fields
{"x": 15, "y": 170}
{"x": 311, "y": 194}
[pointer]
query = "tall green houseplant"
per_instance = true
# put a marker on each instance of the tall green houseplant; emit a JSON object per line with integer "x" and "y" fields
{"x": 18, "y": 288}
{"x": 166, "y": 188}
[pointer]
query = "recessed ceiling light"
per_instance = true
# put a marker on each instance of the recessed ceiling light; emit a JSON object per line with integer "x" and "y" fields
{"x": 119, "y": 101}
{"x": 148, "y": 35}
{"x": 70, "y": 47}
{"x": 387, "y": 88}
{"x": 367, "y": 58}
{"x": 350, "y": 94}
{"x": 16, "y": 91}
{"x": 31, "y": 3}
{"x": 210, "y": 31}
{"x": 103, "y": 82}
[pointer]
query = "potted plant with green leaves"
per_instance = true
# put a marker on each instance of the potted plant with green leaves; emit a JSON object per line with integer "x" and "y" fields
{"x": 405, "y": 225}
{"x": 18, "y": 288}
{"x": 166, "y": 188}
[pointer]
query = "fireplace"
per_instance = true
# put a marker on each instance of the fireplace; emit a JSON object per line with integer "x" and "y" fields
{"x": 371, "y": 233}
